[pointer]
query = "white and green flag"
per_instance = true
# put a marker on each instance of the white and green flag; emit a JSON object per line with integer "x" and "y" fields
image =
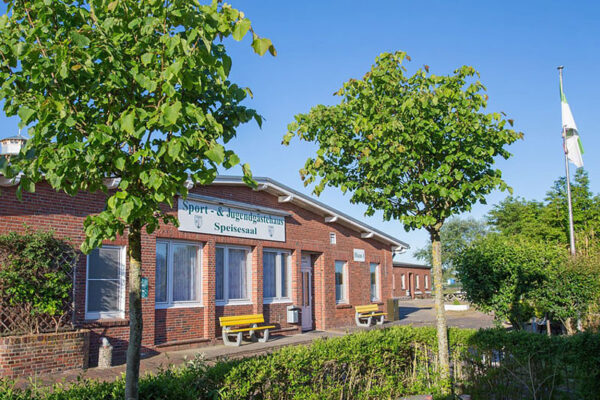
{"x": 573, "y": 145}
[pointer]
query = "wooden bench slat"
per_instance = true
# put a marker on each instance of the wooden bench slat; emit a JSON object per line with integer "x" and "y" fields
{"x": 251, "y": 329}
{"x": 367, "y": 308}
{"x": 242, "y": 320}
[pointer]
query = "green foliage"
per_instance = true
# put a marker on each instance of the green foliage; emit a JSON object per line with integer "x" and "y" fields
{"x": 548, "y": 220}
{"x": 36, "y": 277}
{"x": 571, "y": 288}
{"x": 419, "y": 148}
{"x": 376, "y": 364}
{"x": 456, "y": 234}
{"x": 135, "y": 90}
{"x": 503, "y": 274}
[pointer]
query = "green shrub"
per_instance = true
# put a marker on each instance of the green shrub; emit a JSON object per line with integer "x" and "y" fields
{"x": 36, "y": 280}
{"x": 376, "y": 364}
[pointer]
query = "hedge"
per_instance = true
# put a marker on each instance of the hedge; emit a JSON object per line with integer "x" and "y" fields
{"x": 376, "y": 364}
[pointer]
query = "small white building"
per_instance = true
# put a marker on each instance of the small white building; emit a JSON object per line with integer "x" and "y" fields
{"x": 12, "y": 145}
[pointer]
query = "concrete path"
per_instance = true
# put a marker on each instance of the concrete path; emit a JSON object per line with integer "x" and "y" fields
{"x": 415, "y": 312}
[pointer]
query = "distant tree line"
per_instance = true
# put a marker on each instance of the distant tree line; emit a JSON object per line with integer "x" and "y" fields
{"x": 515, "y": 263}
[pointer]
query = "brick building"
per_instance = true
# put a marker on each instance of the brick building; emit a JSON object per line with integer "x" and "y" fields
{"x": 411, "y": 280}
{"x": 237, "y": 251}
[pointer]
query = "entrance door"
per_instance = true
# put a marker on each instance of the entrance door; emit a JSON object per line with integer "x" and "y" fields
{"x": 306, "y": 269}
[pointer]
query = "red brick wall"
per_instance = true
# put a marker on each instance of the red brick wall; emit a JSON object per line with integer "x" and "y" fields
{"x": 306, "y": 232}
{"x": 31, "y": 355}
{"x": 410, "y": 275}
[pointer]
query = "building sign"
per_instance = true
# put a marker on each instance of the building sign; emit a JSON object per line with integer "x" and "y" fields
{"x": 217, "y": 219}
{"x": 144, "y": 284}
{"x": 359, "y": 255}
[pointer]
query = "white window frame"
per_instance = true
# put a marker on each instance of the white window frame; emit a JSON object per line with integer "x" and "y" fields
{"x": 179, "y": 304}
{"x": 122, "y": 266}
{"x": 403, "y": 279}
{"x": 226, "y": 301}
{"x": 426, "y": 281}
{"x": 332, "y": 238}
{"x": 278, "y": 298}
{"x": 417, "y": 282}
{"x": 344, "y": 299}
{"x": 377, "y": 296}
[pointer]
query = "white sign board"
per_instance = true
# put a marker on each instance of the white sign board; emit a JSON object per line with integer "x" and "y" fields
{"x": 216, "y": 219}
{"x": 359, "y": 255}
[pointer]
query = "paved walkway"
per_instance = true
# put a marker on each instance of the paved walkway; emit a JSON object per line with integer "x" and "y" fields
{"x": 415, "y": 312}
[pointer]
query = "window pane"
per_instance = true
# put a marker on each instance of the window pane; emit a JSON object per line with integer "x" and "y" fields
{"x": 220, "y": 263}
{"x": 237, "y": 274}
{"x": 284, "y": 275}
{"x": 269, "y": 278}
{"x": 161, "y": 272}
{"x": 373, "y": 281}
{"x": 185, "y": 261}
{"x": 105, "y": 263}
{"x": 103, "y": 296}
{"x": 339, "y": 280}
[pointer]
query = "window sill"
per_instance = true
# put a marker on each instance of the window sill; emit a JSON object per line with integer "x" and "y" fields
{"x": 105, "y": 322}
{"x": 233, "y": 303}
{"x": 277, "y": 301}
{"x": 177, "y": 305}
{"x": 377, "y": 301}
{"x": 341, "y": 306}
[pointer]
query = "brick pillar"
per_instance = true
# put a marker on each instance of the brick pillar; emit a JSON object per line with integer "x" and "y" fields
{"x": 257, "y": 279}
{"x": 322, "y": 297}
{"x": 209, "y": 289}
{"x": 296, "y": 277}
{"x": 148, "y": 307}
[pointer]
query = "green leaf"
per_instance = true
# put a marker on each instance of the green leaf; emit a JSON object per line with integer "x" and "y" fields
{"x": 147, "y": 58}
{"x": 216, "y": 153}
{"x": 240, "y": 29}
{"x": 172, "y": 113}
{"x": 25, "y": 113}
{"x": 127, "y": 122}
{"x": 80, "y": 40}
{"x": 120, "y": 163}
{"x": 261, "y": 45}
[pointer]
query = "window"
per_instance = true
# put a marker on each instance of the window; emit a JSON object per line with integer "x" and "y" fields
{"x": 178, "y": 278}
{"x": 332, "y": 238}
{"x": 105, "y": 283}
{"x": 426, "y": 281}
{"x": 374, "y": 281}
{"x": 417, "y": 282}
{"x": 233, "y": 275}
{"x": 276, "y": 275}
{"x": 341, "y": 284}
{"x": 403, "y": 281}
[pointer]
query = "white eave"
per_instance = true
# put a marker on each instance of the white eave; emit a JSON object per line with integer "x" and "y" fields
{"x": 286, "y": 194}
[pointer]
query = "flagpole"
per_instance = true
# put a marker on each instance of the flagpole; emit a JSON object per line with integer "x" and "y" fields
{"x": 564, "y": 136}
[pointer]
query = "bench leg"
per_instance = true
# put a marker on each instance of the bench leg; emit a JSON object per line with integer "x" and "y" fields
{"x": 229, "y": 342}
{"x": 253, "y": 337}
{"x": 265, "y": 336}
{"x": 380, "y": 320}
{"x": 358, "y": 317}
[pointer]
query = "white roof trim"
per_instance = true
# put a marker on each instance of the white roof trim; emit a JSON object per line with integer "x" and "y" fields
{"x": 237, "y": 204}
{"x": 310, "y": 203}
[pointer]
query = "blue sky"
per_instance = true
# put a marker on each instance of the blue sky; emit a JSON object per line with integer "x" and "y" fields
{"x": 515, "y": 45}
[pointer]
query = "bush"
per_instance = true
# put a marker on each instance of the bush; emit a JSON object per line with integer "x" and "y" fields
{"x": 36, "y": 281}
{"x": 375, "y": 364}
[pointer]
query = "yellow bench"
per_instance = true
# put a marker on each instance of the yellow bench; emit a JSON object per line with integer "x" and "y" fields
{"x": 235, "y": 326}
{"x": 365, "y": 314}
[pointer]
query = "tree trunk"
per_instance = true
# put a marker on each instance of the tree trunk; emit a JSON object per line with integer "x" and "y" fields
{"x": 548, "y": 326}
{"x": 440, "y": 314}
{"x": 135, "y": 314}
{"x": 569, "y": 326}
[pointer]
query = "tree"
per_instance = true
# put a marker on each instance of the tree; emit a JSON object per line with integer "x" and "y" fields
{"x": 456, "y": 234}
{"x": 133, "y": 90}
{"x": 571, "y": 288}
{"x": 419, "y": 148}
{"x": 548, "y": 220}
{"x": 504, "y": 274}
